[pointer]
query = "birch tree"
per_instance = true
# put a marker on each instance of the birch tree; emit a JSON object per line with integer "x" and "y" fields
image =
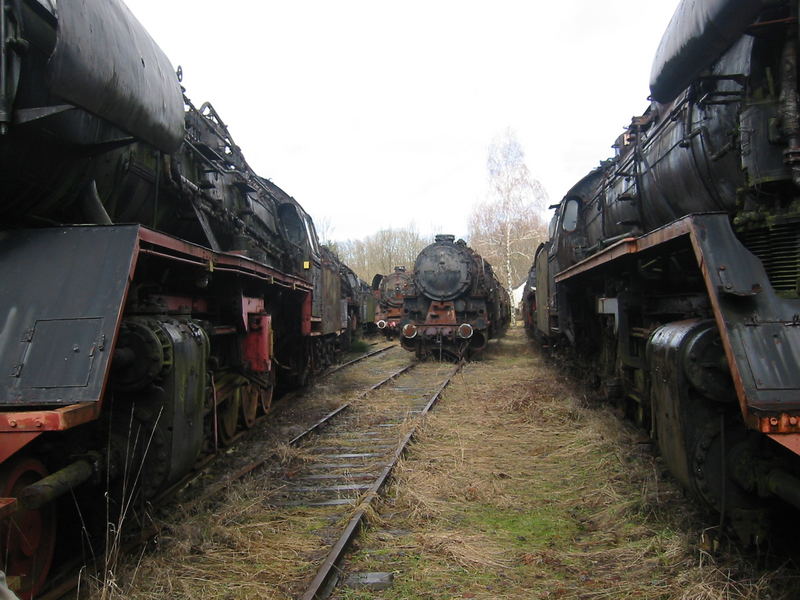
{"x": 507, "y": 227}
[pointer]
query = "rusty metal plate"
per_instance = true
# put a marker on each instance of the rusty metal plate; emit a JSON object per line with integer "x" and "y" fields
{"x": 62, "y": 296}
{"x": 773, "y": 353}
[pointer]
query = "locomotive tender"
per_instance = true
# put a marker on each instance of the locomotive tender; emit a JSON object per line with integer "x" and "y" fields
{"x": 672, "y": 271}
{"x": 155, "y": 290}
{"x": 455, "y": 303}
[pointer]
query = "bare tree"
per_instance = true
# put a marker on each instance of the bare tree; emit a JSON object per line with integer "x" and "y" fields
{"x": 325, "y": 229}
{"x": 508, "y": 226}
{"x": 382, "y": 251}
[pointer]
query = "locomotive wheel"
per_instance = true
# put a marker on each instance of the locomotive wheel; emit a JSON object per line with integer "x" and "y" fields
{"x": 266, "y": 393}
{"x": 27, "y": 537}
{"x": 228, "y": 416}
{"x": 305, "y": 364}
{"x": 251, "y": 400}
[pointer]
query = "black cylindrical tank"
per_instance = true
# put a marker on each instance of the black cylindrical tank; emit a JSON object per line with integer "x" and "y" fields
{"x": 443, "y": 270}
{"x": 394, "y": 286}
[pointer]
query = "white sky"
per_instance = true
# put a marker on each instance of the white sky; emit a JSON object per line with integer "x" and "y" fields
{"x": 375, "y": 114}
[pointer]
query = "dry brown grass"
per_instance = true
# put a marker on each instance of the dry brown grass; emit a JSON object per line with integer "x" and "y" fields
{"x": 519, "y": 488}
{"x": 235, "y": 545}
{"x": 471, "y": 552}
{"x": 236, "y": 549}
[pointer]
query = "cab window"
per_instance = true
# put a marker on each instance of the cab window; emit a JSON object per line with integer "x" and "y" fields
{"x": 292, "y": 224}
{"x": 312, "y": 235}
{"x": 570, "y": 221}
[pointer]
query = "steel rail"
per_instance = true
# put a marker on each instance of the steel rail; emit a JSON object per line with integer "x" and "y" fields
{"x": 327, "y": 418}
{"x": 324, "y": 581}
{"x": 250, "y": 467}
{"x": 337, "y": 368}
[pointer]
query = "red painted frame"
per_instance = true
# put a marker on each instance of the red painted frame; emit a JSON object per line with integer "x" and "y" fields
{"x": 25, "y": 425}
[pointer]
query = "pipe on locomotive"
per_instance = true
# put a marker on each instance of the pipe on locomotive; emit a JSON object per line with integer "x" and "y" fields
{"x": 59, "y": 483}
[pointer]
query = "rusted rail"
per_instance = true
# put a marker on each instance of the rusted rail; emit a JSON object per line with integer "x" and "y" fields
{"x": 327, "y": 418}
{"x": 325, "y": 578}
{"x": 249, "y": 468}
{"x": 358, "y": 359}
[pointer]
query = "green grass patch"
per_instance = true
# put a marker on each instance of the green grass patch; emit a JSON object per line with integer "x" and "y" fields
{"x": 522, "y": 528}
{"x": 358, "y": 346}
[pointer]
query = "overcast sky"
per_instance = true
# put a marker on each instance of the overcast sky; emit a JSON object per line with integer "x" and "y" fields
{"x": 375, "y": 114}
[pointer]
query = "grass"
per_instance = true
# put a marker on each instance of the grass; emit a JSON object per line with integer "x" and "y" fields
{"x": 358, "y": 346}
{"x": 235, "y": 548}
{"x": 520, "y": 528}
{"x": 519, "y": 487}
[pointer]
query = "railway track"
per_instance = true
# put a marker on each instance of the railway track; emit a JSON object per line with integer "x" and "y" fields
{"x": 309, "y": 508}
{"x": 348, "y": 455}
{"x": 358, "y": 359}
{"x": 355, "y": 456}
{"x": 262, "y": 446}
{"x": 221, "y": 469}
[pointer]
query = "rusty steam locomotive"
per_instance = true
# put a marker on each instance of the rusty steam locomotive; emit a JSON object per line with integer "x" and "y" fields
{"x": 455, "y": 303}
{"x": 390, "y": 291}
{"x": 153, "y": 285}
{"x": 672, "y": 271}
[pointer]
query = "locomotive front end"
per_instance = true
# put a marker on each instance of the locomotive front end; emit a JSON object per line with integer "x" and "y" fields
{"x": 391, "y": 290}
{"x": 448, "y": 313}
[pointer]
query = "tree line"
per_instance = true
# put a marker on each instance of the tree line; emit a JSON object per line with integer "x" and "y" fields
{"x": 382, "y": 251}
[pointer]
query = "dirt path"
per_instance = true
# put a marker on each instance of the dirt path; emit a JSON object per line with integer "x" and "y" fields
{"x": 518, "y": 488}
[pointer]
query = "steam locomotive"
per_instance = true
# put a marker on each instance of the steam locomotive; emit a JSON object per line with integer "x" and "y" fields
{"x": 155, "y": 290}
{"x": 455, "y": 304}
{"x": 672, "y": 271}
{"x": 390, "y": 291}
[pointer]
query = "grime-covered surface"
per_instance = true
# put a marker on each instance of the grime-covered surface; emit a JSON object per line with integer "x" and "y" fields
{"x": 520, "y": 487}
